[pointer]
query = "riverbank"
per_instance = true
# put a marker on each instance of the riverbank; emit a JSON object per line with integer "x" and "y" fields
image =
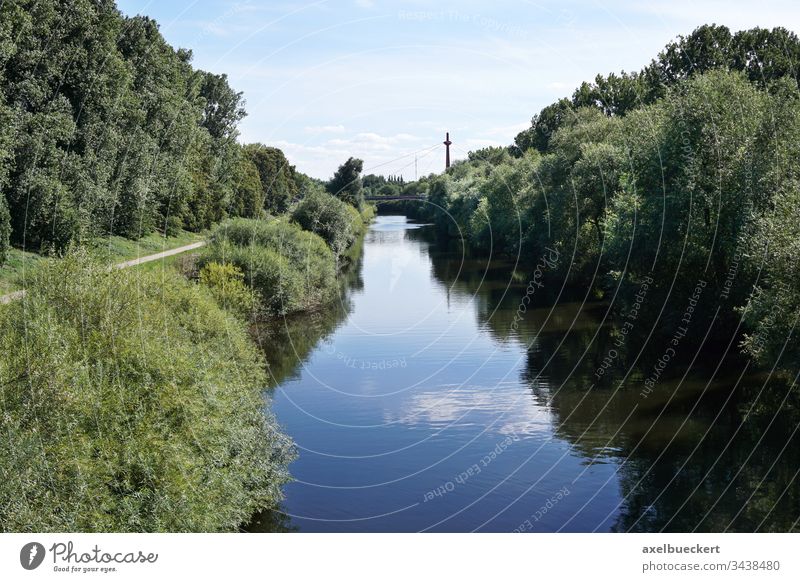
{"x": 132, "y": 402}
{"x": 115, "y": 250}
{"x": 135, "y": 398}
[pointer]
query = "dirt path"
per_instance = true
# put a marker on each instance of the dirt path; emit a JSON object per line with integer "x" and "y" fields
{"x": 124, "y": 265}
{"x": 162, "y": 255}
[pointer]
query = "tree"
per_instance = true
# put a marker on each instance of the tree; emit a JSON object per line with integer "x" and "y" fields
{"x": 613, "y": 95}
{"x": 5, "y": 143}
{"x": 223, "y": 108}
{"x": 346, "y": 182}
{"x": 114, "y": 131}
{"x": 764, "y": 55}
{"x": 543, "y": 125}
{"x": 277, "y": 177}
{"x": 334, "y": 220}
{"x": 155, "y": 439}
{"x": 248, "y": 194}
{"x": 707, "y": 47}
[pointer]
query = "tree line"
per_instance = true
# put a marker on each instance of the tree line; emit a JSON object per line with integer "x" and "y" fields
{"x": 105, "y": 129}
{"x": 683, "y": 174}
{"x": 761, "y": 55}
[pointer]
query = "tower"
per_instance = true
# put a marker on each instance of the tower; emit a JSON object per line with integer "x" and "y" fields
{"x": 447, "y": 143}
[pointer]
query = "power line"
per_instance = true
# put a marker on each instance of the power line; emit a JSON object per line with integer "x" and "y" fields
{"x": 371, "y": 168}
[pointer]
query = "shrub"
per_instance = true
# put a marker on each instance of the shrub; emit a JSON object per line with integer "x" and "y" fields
{"x": 368, "y": 213}
{"x": 226, "y": 283}
{"x": 335, "y": 221}
{"x": 292, "y": 270}
{"x": 131, "y": 402}
{"x": 5, "y": 229}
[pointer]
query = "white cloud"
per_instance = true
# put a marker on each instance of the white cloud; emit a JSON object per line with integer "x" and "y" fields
{"x": 382, "y": 154}
{"x": 330, "y": 80}
{"x": 374, "y": 140}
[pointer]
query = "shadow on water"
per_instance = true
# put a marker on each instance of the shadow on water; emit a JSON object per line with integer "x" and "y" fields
{"x": 703, "y": 450}
{"x": 713, "y": 447}
{"x": 287, "y": 342}
{"x": 271, "y": 521}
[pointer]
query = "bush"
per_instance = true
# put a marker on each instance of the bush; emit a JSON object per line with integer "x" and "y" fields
{"x": 5, "y": 229}
{"x": 292, "y": 270}
{"x": 335, "y": 221}
{"x": 131, "y": 402}
{"x": 226, "y": 283}
{"x": 368, "y": 213}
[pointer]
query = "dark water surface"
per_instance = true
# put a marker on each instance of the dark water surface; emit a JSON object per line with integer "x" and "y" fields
{"x": 419, "y": 402}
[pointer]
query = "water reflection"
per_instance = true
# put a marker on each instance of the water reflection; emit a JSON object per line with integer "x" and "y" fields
{"x": 425, "y": 401}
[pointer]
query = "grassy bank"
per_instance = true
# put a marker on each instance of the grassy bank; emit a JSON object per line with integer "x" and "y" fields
{"x": 291, "y": 262}
{"x": 20, "y": 264}
{"x": 18, "y": 267}
{"x": 291, "y": 269}
{"x": 132, "y": 402}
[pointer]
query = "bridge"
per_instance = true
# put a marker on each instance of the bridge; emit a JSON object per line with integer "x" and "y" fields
{"x": 390, "y": 198}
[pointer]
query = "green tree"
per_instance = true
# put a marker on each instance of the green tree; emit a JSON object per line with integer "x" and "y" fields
{"x": 334, "y": 220}
{"x": 543, "y": 125}
{"x": 277, "y": 177}
{"x": 346, "y": 182}
{"x": 223, "y": 107}
{"x": 248, "y": 193}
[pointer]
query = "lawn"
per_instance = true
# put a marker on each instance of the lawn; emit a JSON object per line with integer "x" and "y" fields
{"x": 18, "y": 266}
{"x": 114, "y": 249}
{"x": 117, "y": 249}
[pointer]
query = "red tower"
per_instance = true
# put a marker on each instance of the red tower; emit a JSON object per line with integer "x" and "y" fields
{"x": 447, "y": 143}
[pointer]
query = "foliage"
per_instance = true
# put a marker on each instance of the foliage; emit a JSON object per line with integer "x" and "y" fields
{"x": 226, "y": 283}
{"x": 278, "y": 180}
{"x": 699, "y": 184}
{"x": 774, "y": 247}
{"x": 131, "y": 402}
{"x": 337, "y": 222}
{"x": 367, "y": 214}
{"x": 764, "y": 56}
{"x": 346, "y": 182}
{"x": 375, "y": 185}
{"x": 105, "y": 129}
{"x": 5, "y": 230}
{"x": 248, "y": 194}
{"x": 543, "y": 125}
{"x": 291, "y": 269}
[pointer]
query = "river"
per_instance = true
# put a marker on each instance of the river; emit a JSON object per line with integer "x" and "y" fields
{"x": 432, "y": 397}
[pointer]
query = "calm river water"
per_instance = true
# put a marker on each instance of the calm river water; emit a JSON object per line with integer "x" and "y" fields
{"x": 422, "y": 401}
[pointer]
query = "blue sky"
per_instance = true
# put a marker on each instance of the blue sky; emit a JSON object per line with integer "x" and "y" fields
{"x": 381, "y": 79}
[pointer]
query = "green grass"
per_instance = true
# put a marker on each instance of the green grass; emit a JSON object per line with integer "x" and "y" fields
{"x": 17, "y": 268}
{"x": 115, "y": 249}
{"x": 149, "y": 399}
{"x": 167, "y": 263}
